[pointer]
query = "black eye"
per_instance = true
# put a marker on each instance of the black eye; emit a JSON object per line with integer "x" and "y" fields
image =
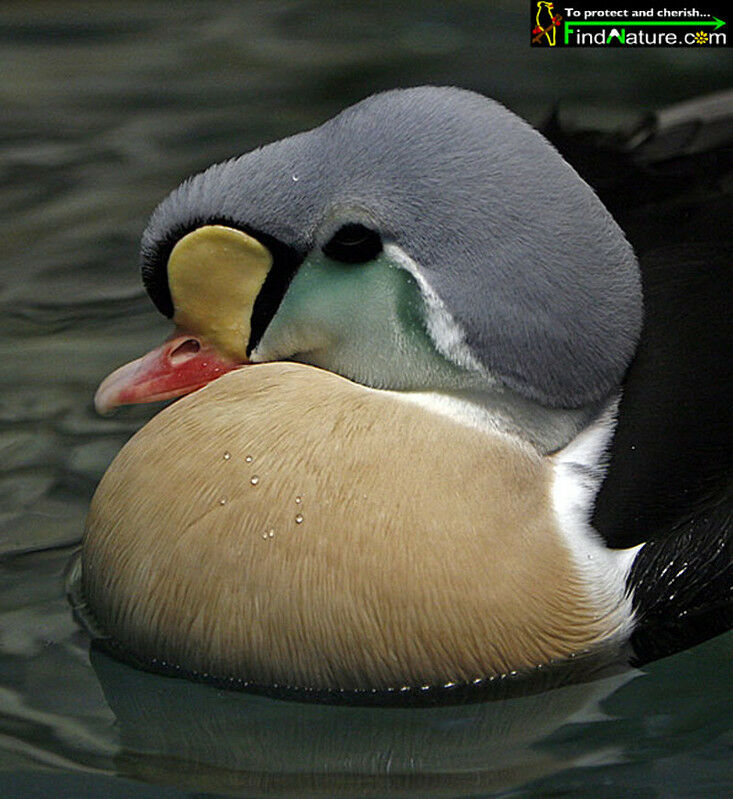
{"x": 353, "y": 244}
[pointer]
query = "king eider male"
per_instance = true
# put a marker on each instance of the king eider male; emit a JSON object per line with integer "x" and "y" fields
{"x": 435, "y": 318}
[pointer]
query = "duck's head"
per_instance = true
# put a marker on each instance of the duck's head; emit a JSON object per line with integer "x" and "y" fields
{"x": 424, "y": 240}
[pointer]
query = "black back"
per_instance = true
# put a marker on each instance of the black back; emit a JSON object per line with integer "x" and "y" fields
{"x": 670, "y": 478}
{"x": 668, "y": 183}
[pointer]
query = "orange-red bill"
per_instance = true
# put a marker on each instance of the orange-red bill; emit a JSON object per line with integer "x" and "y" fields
{"x": 181, "y": 365}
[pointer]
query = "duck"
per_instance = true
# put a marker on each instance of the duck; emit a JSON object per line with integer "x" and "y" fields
{"x": 424, "y": 385}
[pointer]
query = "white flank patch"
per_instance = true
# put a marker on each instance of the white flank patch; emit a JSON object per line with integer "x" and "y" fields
{"x": 579, "y": 470}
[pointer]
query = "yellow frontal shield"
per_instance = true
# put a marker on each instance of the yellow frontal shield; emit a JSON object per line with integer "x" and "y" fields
{"x": 215, "y": 274}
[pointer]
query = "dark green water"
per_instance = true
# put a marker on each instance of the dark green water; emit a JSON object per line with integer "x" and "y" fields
{"x": 107, "y": 106}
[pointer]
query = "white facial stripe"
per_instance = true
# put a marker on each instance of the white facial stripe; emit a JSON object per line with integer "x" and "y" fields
{"x": 445, "y": 332}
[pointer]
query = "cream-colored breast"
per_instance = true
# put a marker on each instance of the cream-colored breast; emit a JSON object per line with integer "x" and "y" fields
{"x": 284, "y": 525}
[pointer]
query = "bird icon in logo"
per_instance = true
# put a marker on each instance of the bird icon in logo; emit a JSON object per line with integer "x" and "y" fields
{"x": 544, "y": 32}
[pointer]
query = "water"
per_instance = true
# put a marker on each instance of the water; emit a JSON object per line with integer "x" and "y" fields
{"x": 105, "y": 107}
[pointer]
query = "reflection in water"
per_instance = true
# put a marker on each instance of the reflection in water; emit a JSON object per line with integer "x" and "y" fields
{"x": 199, "y": 738}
